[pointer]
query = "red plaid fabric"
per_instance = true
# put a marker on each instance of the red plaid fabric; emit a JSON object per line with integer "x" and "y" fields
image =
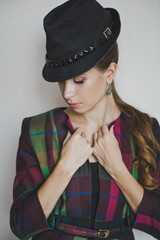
{"x": 39, "y": 149}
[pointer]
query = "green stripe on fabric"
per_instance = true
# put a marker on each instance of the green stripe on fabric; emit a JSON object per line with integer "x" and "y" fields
{"x": 56, "y": 155}
{"x": 40, "y": 116}
{"x": 63, "y": 210}
{"x": 79, "y": 238}
{"x": 135, "y": 174}
{"x": 132, "y": 146}
{"x": 57, "y": 206}
{"x": 37, "y": 125}
{"x": 45, "y": 172}
{"x": 125, "y": 210}
{"x": 56, "y": 147}
{"x": 56, "y": 210}
{"x": 134, "y": 168}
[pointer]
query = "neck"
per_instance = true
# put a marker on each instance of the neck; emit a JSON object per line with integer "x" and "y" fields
{"x": 104, "y": 112}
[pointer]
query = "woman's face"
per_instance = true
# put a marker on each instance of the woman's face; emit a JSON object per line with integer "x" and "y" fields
{"x": 83, "y": 92}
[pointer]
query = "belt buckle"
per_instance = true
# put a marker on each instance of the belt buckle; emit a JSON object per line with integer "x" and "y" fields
{"x": 106, "y": 231}
{"x": 108, "y": 33}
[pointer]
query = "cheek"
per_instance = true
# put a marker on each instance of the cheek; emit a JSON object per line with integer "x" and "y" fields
{"x": 96, "y": 91}
{"x": 61, "y": 88}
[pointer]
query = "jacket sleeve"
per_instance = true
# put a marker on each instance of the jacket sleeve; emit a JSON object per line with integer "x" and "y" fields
{"x": 27, "y": 218}
{"x": 148, "y": 216}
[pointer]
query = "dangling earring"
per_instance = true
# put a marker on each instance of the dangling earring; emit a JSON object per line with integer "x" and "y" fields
{"x": 109, "y": 89}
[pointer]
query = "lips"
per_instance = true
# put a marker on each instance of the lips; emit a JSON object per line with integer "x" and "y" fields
{"x": 72, "y": 105}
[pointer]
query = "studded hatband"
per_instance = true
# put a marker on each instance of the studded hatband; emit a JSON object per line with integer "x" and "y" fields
{"x": 107, "y": 35}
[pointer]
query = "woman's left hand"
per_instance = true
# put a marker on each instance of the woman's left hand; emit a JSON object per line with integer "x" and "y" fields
{"x": 107, "y": 151}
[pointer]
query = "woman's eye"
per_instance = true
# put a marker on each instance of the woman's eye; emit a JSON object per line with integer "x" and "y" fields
{"x": 79, "y": 82}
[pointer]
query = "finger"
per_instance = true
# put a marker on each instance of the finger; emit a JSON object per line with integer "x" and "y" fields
{"x": 83, "y": 134}
{"x": 95, "y": 154}
{"x": 67, "y": 137}
{"x": 112, "y": 130}
{"x": 94, "y": 137}
{"x": 99, "y": 133}
{"x": 78, "y": 131}
{"x": 104, "y": 129}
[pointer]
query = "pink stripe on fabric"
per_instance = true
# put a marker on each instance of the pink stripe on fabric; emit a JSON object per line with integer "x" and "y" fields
{"x": 114, "y": 192}
{"x": 117, "y": 130}
{"x": 148, "y": 221}
{"x": 70, "y": 124}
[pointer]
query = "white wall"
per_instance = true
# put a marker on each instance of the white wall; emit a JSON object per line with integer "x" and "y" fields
{"x": 24, "y": 93}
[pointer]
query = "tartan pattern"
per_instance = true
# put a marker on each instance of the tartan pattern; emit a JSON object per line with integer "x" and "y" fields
{"x": 39, "y": 149}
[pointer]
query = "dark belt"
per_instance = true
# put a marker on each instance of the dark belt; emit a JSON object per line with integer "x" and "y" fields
{"x": 102, "y": 230}
{"x": 85, "y": 232}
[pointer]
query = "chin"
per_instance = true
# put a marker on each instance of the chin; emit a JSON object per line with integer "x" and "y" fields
{"x": 76, "y": 110}
{"x": 82, "y": 110}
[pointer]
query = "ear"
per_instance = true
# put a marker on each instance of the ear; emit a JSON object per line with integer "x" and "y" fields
{"x": 111, "y": 72}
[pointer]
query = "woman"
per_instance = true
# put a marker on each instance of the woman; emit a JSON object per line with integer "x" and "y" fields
{"x": 90, "y": 171}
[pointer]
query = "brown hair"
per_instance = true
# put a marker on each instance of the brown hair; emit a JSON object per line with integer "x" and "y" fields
{"x": 146, "y": 146}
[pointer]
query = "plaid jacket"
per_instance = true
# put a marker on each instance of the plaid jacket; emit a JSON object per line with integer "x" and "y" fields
{"x": 39, "y": 149}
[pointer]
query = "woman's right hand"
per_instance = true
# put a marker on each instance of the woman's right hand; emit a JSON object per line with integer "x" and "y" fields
{"x": 75, "y": 151}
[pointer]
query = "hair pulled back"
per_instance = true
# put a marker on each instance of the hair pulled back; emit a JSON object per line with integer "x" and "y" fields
{"x": 146, "y": 146}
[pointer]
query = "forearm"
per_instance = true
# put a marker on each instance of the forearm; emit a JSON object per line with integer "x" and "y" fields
{"x": 53, "y": 187}
{"x": 131, "y": 189}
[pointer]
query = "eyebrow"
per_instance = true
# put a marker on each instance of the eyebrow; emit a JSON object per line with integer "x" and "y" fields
{"x": 82, "y": 74}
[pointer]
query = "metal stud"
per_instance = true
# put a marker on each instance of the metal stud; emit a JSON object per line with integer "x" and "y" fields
{"x": 80, "y": 53}
{"x": 85, "y": 51}
{"x": 91, "y": 48}
{"x": 76, "y": 56}
{"x": 70, "y": 60}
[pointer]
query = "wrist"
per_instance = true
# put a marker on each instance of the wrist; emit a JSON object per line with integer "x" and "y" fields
{"x": 116, "y": 171}
{"x": 64, "y": 168}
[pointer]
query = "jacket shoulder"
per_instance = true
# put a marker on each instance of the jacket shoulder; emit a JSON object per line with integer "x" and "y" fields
{"x": 37, "y": 123}
{"x": 43, "y": 115}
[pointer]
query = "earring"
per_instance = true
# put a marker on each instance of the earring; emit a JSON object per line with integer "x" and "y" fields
{"x": 109, "y": 89}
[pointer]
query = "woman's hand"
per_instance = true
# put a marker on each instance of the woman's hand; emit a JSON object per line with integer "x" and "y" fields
{"x": 107, "y": 151}
{"x": 75, "y": 151}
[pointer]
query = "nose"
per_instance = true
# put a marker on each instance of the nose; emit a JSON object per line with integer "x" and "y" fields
{"x": 69, "y": 90}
